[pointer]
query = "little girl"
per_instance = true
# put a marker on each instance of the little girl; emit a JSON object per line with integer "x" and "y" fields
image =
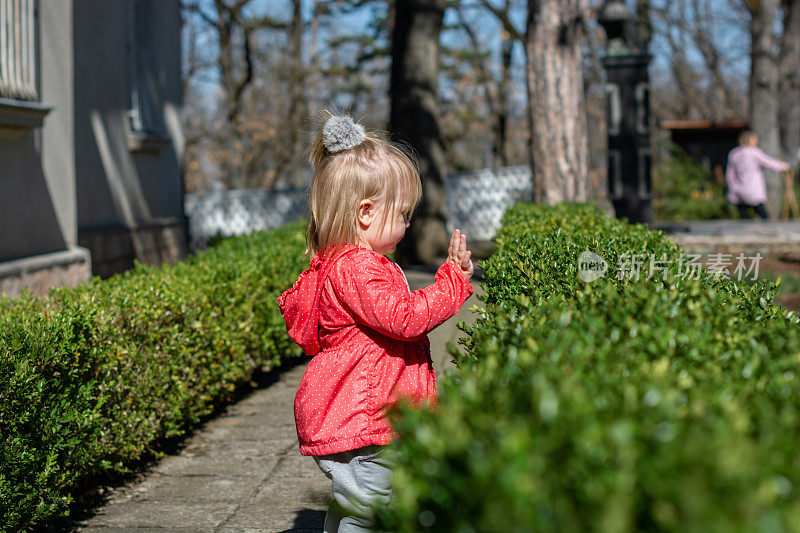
{"x": 353, "y": 312}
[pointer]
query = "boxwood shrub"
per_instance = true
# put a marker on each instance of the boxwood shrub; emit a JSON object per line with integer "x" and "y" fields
{"x": 92, "y": 379}
{"x": 615, "y": 405}
{"x": 683, "y": 189}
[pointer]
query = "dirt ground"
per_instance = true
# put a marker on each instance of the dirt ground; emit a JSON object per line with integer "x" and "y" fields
{"x": 787, "y": 266}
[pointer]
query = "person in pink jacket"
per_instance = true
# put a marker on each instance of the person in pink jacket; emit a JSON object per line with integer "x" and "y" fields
{"x": 353, "y": 313}
{"x": 746, "y": 187}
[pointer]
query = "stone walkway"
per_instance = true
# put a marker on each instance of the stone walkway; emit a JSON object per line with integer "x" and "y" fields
{"x": 755, "y": 235}
{"x": 242, "y": 471}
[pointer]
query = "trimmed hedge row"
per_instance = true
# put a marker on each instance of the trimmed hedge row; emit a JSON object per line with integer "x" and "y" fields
{"x": 93, "y": 378}
{"x": 683, "y": 189}
{"x": 617, "y": 405}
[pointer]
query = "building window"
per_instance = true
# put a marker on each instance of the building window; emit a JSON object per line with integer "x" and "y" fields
{"x": 145, "y": 112}
{"x": 18, "y": 59}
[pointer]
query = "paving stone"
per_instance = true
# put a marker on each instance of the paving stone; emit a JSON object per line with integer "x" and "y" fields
{"x": 243, "y": 470}
{"x": 250, "y": 458}
{"x": 277, "y": 515}
{"x": 250, "y": 430}
{"x": 199, "y": 516}
{"x": 140, "y": 529}
{"x": 195, "y": 488}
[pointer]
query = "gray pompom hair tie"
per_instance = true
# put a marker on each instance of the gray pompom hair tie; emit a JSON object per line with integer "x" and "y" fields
{"x": 341, "y": 133}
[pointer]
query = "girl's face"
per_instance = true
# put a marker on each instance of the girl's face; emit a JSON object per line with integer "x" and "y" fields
{"x": 381, "y": 239}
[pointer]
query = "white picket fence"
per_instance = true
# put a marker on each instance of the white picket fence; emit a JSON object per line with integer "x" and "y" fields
{"x": 476, "y": 201}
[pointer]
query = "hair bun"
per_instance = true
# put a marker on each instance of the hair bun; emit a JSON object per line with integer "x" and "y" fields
{"x": 341, "y": 133}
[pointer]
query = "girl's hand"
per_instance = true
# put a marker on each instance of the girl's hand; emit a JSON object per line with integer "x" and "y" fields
{"x": 458, "y": 254}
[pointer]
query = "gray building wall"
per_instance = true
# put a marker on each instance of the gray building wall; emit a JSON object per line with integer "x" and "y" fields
{"x": 38, "y": 173}
{"x": 129, "y": 187}
{"x": 57, "y": 90}
{"x": 38, "y": 216}
{"x": 80, "y": 181}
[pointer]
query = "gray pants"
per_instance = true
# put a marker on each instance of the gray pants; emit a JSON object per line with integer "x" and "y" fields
{"x": 359, "y": 478}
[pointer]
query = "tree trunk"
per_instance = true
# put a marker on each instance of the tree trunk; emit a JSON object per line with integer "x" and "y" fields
{"x": 789, "y": 84}
{"x": 495, "y": 92}
{"x": 233, "y": 82}
{"x": 414, "y": 121}
{"x": 555, "y": 35}
{"x": 764, "y": 91}
{"x": 501, "y": 139}
{"x": 295, "y": 174}
{"x": 644, "y": 23}
{"x": 702, "y": 29}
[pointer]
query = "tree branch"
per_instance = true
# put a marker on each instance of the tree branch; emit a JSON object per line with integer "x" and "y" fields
{"x": 504, "y": 20}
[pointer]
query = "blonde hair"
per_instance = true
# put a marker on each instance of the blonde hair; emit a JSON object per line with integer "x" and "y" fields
{"x": 376, "y": 170}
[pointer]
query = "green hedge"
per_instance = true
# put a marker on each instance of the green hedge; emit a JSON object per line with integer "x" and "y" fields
{"x": 93, "y": 378}
{"x": 617, "y": 405}
{"x": 685, "y": 190}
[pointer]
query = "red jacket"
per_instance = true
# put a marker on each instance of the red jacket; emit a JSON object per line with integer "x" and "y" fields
{"x": 353, "y": 312}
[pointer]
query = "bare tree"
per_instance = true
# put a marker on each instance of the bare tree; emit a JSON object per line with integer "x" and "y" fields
{"x": 764, "y": 89}
{"x": 555, "y": 36}
{"x": 248, "y": 99}
{"x": 244, "y": 146}
{"x": 356, "y": 70}
{"x": 553, "y": 41}
{"x": 702, "y": 31}
{"x": 298, "y": 108}
{"x": 236, "y": 74}
{"x": 495, "y": 91}
{"x": 789, "y": 82}
{"x": 414, "y": 120}
{"x": 689, "y": 29}
{"x": 691, "y": 105}
{"x": 643, "y": 22}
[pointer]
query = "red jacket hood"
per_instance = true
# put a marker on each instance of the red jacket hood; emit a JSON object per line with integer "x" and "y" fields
{"x": 299, "y": 305}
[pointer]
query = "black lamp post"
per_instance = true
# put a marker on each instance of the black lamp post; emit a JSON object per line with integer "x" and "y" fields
{"x": 628, "y": 93}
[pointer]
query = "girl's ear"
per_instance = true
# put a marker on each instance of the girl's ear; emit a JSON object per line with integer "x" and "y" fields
{"x": 366, "y": 212}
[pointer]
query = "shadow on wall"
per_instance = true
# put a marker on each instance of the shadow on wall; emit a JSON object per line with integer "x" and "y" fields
{"x": 123, "y": 183}
{"x": 29, "y": 224}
